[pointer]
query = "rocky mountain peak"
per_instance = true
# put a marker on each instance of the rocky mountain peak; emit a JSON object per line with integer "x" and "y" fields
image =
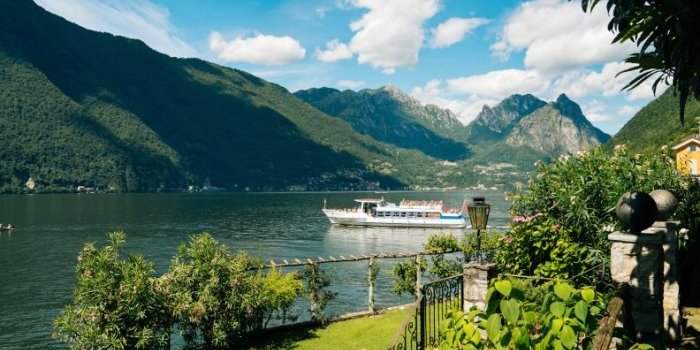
{"x": 503, "y": 116}
{"x": 569, "y": 108}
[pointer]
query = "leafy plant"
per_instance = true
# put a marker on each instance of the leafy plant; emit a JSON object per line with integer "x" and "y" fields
{"x": 556, "y": 316}
{"x": 490, "y": 244}
{"x": 441, "y": 244}
{"x": 117, "y": 303}
{"x": 562, "y": 222}
{"x": 405, "y": 275}
{"x": 316, "y": 282}
{"x": 217, "y": 297}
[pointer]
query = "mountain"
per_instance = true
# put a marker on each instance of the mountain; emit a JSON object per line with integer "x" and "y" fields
{"x": 658, "y": 124}
{"x": 522, "y": 129}
{"x": 389, "y": 115}
{"x": 494, "y": 123}
{"x": 78, "y": 107}
{"x": 556, "y": 128}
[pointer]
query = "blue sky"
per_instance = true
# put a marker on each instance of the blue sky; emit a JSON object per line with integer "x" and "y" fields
{"x": 458, "y": 54}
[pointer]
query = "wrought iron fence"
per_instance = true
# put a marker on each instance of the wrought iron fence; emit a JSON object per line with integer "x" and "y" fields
{"x": 435, "y": 301}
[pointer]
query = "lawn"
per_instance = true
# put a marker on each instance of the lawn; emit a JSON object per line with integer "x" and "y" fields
{"x": 366, "y": 333}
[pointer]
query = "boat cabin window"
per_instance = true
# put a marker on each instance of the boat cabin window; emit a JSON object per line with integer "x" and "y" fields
{"x": 369, "y": 208}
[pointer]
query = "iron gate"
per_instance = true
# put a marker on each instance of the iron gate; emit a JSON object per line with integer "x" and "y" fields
{"x": 436, "y": 299}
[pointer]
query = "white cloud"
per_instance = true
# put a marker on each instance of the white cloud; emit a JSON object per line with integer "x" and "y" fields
{"x": 454, "y": 30}
{"x": 258, "y": 49}
{"x": 140, "y": 19}
{"x": 350, "y": 84}
{"x": 391, "y": 33}
{"x": 334, "y": 51}
{"x": 556, "y": 35}
{"x": 500, "y": 83}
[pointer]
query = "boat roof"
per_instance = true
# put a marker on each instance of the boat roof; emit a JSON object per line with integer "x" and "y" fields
{"x": 369, "y": 200}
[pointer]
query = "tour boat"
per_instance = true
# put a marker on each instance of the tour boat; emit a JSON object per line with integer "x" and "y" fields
{"x": 409, "y": 213}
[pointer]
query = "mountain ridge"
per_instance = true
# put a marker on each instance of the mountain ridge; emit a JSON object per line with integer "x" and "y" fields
{"x": 389, "y": 115}
{"x": 511, "y": 126}
{"x": 124, "y": 117}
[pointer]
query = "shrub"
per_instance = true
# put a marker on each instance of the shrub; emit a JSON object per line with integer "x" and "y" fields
{"x": 316, "y": 282}
{"x": 490, "y": 244}
{"x": 441, "y": 244}
{"x": 116, "y": 303}
{"x": 563, "y": 220}
{"x": 217, "y": 297}
{"x": 552, "y": 316}
{"x": 405, "y": 276}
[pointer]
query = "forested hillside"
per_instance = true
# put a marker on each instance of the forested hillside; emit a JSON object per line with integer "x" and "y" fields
{"x": 79, "y": 107}
{"x": 658, "y": 124}
{"x": 389, "y": 115}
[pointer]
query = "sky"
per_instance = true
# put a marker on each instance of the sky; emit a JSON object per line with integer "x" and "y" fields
{"x": 457, "y": 54}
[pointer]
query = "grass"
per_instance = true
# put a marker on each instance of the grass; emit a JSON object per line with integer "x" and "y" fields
{"x": 366, "y": 333}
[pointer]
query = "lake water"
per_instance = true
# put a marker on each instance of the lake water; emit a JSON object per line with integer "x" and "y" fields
{"x": 37, "y": 260}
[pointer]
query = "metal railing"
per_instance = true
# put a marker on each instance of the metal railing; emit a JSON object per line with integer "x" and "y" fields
{"x": 435, "y": 301}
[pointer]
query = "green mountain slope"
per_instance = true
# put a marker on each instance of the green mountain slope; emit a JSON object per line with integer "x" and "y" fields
{"x": 389, "y": 115}
{"x": 658, "y": 124}
{"x": 79, "y": 107}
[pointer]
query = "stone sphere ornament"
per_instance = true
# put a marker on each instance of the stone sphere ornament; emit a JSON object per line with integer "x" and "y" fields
{"x": 666, "y": 204}
{"x": 636, "y": 210}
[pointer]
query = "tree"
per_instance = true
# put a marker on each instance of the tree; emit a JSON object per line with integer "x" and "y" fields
{"x": 217, "y": 297}
{"x": 666, "y": 33}
{"x": 316, "y": 282}
{"x": 116, "y": 303}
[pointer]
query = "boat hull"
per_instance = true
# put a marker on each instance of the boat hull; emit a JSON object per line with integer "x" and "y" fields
{"x": 359, "y": 219}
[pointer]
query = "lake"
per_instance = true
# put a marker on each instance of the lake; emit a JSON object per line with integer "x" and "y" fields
{"x": 37, "y": 260}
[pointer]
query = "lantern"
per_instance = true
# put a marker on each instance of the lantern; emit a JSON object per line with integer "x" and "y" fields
{"x": 479, "y": 212}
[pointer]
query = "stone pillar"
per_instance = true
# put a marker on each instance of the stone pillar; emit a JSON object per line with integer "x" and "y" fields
{"x": 671, "y": 276}
{"x": 476, "y": 283}
{"x": 637, "y": 259}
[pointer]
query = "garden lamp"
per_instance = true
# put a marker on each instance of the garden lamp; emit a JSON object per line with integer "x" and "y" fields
{"x": 478, "y": 216}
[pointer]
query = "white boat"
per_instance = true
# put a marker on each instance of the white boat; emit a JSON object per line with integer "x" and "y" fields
{"x": 378, "y": 212}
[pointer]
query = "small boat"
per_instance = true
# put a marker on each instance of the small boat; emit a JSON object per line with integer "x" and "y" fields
{"x": 408, "y": 213}
{"x": 7, "y": 227}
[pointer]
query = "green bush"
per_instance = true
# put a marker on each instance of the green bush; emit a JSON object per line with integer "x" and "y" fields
{"x": 315, "y": 283}
{"x": 217, "y": 297}
{"x": 490, "y": 244}
{"x": 117, "y": 303}
{"x": 213, "y": 296}
{"x": 441, "y": 244}
{"x": 518, "y": 316}
{"x": 405, "y": 276}
{"x": 561, "y": 223}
